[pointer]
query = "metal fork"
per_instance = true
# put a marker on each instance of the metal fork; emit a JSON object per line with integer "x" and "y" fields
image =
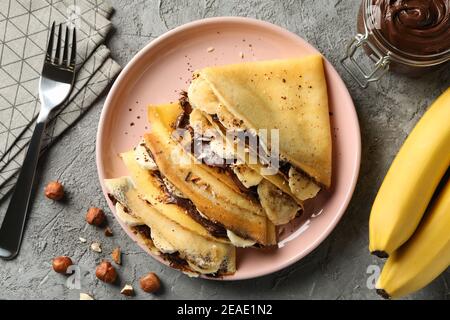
{"x": 55, "y": 85}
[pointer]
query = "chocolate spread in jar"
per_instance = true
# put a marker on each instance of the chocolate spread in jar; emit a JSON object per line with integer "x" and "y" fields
{"x": 418, "y": 27}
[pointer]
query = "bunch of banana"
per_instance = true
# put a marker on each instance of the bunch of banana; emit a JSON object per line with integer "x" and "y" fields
{"x": 418, "y": 249}
{"x": 424, "y": 257}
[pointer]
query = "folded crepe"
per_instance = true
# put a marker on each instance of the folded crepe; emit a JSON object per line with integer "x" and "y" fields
{"x": 286, "y": 95}
{"x": 212, "y": 191}
{"x": 193, "y": 252}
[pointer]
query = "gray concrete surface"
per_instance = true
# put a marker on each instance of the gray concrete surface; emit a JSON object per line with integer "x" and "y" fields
{"x": 336, "y": 270}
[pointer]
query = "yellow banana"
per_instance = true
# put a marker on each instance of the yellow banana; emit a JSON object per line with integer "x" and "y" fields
{"x": 423, "y": 257}
{"x": 412, "y": 179}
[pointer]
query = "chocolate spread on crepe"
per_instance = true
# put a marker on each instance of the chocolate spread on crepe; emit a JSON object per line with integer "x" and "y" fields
{"x": 214, "y": 228}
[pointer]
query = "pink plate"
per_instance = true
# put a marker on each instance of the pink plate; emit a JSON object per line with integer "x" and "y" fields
{"x": 164, "y": 67}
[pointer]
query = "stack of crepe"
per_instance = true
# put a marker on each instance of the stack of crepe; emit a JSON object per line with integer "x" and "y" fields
{"x": 195, "y": 192}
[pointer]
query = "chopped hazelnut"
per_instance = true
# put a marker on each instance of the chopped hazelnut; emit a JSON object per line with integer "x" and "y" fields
{"x": 60, "y": 264}
{"x": 106, "y": 272}
{"x": 108, "y": 232}
{"x": 95, "y": 246}
{"x": 95, "y": 216}
{"x": 127, "y": 290}
{"x": 117, "y": 256}
{"x": 54, "y": 190}
{"x": 85, "y": 296}
{"x": 150, "y": 283}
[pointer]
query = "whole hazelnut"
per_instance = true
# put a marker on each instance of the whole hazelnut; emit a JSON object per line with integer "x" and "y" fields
{"x": 106, "y": 272}
{"x": 54, "y": 190}
{"x": 95, "y": 216}
{"x": 60, "y": 264}
{"x": 150, "y": 283}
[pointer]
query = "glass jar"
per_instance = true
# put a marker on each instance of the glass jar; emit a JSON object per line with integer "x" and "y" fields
{"x": 383, "y": 54}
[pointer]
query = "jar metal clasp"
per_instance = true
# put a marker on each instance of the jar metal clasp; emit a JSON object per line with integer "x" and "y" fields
{"x": 363, "y": 75}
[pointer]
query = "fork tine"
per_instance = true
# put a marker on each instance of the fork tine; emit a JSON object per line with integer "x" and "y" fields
{"x": 48, "y": 55}
{"x": 73, "y": 55}
{"x": 66, "y": 47}
{"x": 58, "y": 45}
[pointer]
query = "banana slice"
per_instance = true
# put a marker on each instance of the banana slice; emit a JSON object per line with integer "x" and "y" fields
{"x": 302, "y": 186}
{"x": 238, "y": 241}
{"x": 162, "y": 244}
{"x": 247, "y": 176}
{"x": 280, "y": 208}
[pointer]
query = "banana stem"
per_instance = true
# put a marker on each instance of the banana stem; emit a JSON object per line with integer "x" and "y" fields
{"x": 380, "y": 254}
